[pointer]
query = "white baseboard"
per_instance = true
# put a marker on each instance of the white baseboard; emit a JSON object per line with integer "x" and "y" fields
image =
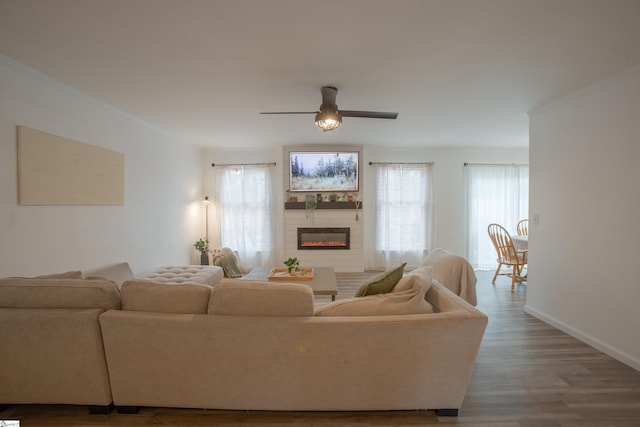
{"x": 605, "y": 348}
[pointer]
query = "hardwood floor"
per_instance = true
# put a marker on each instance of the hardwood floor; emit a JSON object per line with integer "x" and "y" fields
{"x": 528, "y": 374}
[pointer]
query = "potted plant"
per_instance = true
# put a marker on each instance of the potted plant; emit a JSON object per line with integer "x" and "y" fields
{"x": 202, "y": 246}
{"x": 293, "y": 265}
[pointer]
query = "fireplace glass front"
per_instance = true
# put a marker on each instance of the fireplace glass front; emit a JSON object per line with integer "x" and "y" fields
{"x": 324, "y": 238}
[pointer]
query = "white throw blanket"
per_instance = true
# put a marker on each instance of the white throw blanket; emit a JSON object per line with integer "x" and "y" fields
{"x": 454, "y": 272}
{"x": 227, "y": 260}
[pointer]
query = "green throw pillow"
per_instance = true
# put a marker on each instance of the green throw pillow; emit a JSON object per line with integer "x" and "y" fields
{"x": 383, "y": 283}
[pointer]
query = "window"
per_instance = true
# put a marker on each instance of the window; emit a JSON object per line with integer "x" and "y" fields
{"x": 404, "y": 214}
{"x": 496, "y": 194}
{"x": 246, "y": 212}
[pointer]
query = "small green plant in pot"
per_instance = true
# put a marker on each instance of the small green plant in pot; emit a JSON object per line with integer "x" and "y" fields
{"x": 292, "y": 265}
{"x": 202, "y": 246}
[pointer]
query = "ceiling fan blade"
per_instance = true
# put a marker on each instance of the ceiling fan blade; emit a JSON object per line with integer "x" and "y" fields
{"x": 289, "y": 112}
{"x": 368, "y": 114}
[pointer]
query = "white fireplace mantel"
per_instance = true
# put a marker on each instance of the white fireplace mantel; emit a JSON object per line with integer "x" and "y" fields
{"x": 342, "y": 260}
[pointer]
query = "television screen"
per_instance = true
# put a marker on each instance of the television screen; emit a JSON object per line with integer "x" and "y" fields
{"x": 324, "y": 171}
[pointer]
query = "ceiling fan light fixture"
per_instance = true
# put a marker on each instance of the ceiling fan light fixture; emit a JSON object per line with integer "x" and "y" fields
{"x": 328, "y": 119}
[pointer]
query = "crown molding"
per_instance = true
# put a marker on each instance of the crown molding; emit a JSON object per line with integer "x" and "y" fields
{"x": 57, "y": 84}
{"x": 587, "y": 89}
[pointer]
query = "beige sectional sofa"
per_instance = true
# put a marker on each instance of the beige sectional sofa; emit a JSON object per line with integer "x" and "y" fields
{"x": 256, "y": 346}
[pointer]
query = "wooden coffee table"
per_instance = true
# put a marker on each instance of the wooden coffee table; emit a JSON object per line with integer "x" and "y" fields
{"x": 323, "y": 283}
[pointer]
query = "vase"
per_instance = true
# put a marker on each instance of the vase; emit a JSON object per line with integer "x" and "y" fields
{"x": 204, "y": 258}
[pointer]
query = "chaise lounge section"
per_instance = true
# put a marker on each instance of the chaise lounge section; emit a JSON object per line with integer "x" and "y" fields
{"x": 52, "y": 348}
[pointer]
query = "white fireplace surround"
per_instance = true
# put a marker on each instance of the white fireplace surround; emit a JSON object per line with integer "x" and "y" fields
{"x": 342, "y": 260}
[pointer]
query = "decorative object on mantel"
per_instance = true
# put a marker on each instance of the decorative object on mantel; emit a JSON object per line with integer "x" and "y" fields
{"x": 323, "y": 206}
{"x": 289, "y": 197}
{"x": 333, "y": 197}
{"x": 310, "y": 205}
{"x": 202, "y": 246}
{"x": 358, "y": 204}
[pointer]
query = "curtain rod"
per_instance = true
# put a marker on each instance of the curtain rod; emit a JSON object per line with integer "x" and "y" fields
{"x": 496, "y": 164}
{"x": 398, "y": 163}
{"x": 213, "y": 165}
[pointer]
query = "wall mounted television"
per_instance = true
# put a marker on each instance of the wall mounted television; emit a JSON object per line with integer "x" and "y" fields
{"x": 324, "y": 171}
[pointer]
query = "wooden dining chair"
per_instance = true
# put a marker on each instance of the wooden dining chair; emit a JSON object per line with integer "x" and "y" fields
{"x": 523, "y": 227}
{"x": 507, "y": 255}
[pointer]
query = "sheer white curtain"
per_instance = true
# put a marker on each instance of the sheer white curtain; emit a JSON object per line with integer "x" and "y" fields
{"x": 246, "y": 212}
{"x": 404, "y": 215}
{"x": 496, "y": 194}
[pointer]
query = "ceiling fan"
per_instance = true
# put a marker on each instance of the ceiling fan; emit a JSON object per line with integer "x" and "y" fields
{"x": 330, "y": 117}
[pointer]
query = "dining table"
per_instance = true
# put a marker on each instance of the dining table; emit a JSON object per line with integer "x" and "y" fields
{"x": 521, "y": 243}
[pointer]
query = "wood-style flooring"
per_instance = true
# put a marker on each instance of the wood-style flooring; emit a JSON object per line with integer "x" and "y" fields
{"x": 527, "y": 374}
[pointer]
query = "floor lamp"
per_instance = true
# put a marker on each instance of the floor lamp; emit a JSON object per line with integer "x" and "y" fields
{"x": 206, "y": 202}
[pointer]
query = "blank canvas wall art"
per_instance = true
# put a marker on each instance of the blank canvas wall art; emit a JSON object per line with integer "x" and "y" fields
{"x": 53, "y": 170}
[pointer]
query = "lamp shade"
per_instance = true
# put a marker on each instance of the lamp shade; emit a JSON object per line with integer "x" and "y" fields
{"x": 328, "y": 119}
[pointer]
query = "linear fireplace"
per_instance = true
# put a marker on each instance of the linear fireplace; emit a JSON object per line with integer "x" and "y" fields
{"x": 324, "y": 238}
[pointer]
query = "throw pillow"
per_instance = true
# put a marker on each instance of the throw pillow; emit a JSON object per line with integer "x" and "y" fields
{"x": 383, "y": 283}
{"x": 118, "y": 272}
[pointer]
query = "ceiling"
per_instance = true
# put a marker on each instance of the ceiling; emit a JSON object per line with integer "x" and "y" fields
{"x": 460, "y": 73}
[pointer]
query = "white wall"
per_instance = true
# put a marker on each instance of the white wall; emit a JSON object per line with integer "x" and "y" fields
{"x": 162, "y": 213}
{"x": 584, "y": 176}
{"x": 448, "y": 176}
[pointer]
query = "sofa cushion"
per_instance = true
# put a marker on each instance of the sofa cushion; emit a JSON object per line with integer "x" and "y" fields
{"x": 118, "y": 272}
{"x": 143, "y": 295}
{"x": 65, "y": 275}
{"x": 382, "y": 283}
{"x": 408, "y": 300}
{"x": 261, "y": 298}
{"x": 58, "y": 293}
